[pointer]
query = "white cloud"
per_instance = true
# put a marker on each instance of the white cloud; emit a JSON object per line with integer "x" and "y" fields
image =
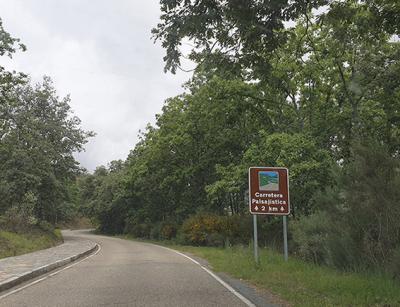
{"x": 101, "y": 53}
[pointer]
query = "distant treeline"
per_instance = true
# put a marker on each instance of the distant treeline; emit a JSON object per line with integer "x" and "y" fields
{"x": 321, "y": 97}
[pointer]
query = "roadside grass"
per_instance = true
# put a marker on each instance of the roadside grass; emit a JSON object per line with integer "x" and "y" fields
{"x": 14, "y": 244}
{"x": 298, "y": 282}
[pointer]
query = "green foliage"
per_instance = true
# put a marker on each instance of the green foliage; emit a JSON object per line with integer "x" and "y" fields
{"x": 168, "y": 231}
{"x": 21, "y": 218}
{"x": 311, "y": 233}
{"x": 358, "y": 225}
{"x": 39, "y": 138}
{"x": 300, "y": 283}
{"x": 14, "y": 244}
{"x": 38, "y": 135}
{"x": 21, "y": 233}
{"x": 371, "y": 189}
{"x": 309, "y": 166}
{"x": 394, "y": 265}
{"x": 163, "y": 231}
{"x": 8, "y": 43}
{"x": 235, "y": 32}
{"x": 202, "y": 229}
{"x": 264, "y": 94}
{"x": 141, "y": 229}
{"x": 215, "y": 230}
{"x": 101, "y": 196}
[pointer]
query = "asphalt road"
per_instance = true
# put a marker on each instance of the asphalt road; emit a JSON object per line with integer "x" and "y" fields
{"x": 127, "y": 273}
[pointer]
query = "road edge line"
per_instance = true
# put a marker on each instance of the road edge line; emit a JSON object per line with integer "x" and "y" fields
{"x": 216, "y": 277}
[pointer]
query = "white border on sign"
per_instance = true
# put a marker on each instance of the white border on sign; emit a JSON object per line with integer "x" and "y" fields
{"x": 287, "y": 178}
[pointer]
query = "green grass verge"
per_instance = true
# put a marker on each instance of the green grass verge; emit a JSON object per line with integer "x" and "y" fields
{"x": 14, "y": 244}
{"x": 298, "y": 282}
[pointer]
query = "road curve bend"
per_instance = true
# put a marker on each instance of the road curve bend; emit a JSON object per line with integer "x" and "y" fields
{"x": 126, "y": 273}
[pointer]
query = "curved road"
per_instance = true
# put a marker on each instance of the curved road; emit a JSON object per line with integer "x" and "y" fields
{"x": 127, "y": 273}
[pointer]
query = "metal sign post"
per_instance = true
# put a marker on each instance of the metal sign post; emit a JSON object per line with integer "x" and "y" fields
{"x": 269, "y": 194}
{"x": 285, "y": 247}
{"x": 255, "y": 240}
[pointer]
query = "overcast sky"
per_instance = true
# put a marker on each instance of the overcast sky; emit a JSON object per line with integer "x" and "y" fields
{"x": 102, "y": 54}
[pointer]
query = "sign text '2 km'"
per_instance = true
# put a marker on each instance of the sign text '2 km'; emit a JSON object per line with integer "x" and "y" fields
{"x": 269, "y": 190}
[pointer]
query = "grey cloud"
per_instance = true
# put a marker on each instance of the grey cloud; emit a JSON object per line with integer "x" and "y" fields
{"x": 101, "y": 53}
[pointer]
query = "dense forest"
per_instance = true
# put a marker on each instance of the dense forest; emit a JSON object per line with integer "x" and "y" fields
{"x": 310, "y": 85}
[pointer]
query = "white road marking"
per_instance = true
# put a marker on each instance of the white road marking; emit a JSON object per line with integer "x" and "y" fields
{"x": 227, "y": 286}
{"x": 50, "y": 275}
{"x": 223, "y": 283}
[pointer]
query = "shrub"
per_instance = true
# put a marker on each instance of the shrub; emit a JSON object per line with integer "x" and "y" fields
{"x": 270, "y": 232}
{"x": 18, "y": 220}
{"x": 163, "y": 231}
{"x": 343, "y": 251}
{"x": 138, "y": 228}
{"x": 371, "y": 187}
{"x": 310, "y": 237}
{"x": 168, "y": 231}
{"x": 394, "y": 265}
{"x": 237, "y": 229}
{"x": 197, "y": 228}
{"x": 155, "y": 232}
{"x": 46, "y": 226}
{"x": 3, "y": 222}
{"x": 358, "y": 222}
{"x": 215, "y": 239}
{"x": 215, "y": 230}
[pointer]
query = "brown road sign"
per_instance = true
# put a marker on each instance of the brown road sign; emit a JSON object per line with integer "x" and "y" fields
{"x": 269, "y": 190}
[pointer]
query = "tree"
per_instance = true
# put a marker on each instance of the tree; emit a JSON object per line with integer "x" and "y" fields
{"x": 356, "y": 226}
{"x": 241, "y": 33}
{"x": 39, "y": 137}
{"x": 8, "y": 44}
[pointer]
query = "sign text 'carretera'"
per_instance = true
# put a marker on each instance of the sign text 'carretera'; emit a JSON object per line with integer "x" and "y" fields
{"x": 269, "y": 190}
